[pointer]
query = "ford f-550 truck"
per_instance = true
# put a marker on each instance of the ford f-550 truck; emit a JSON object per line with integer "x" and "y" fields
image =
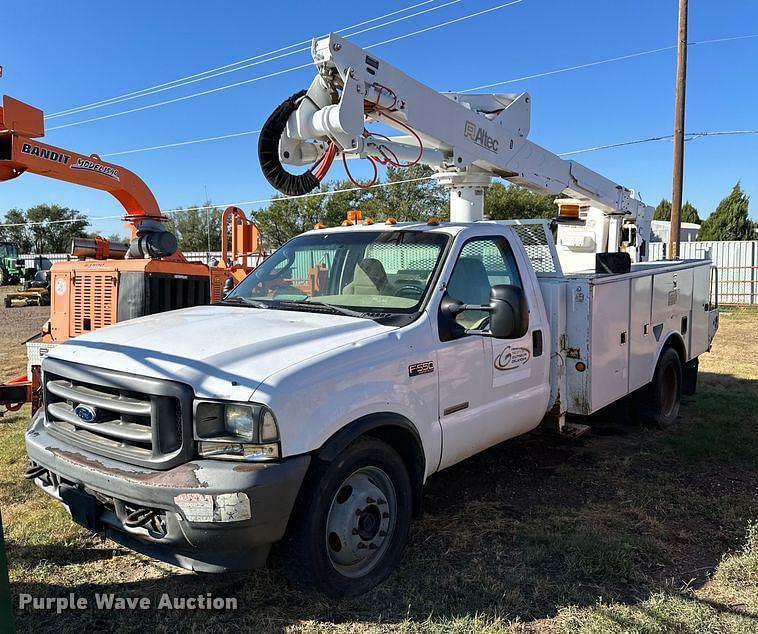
{"x": 311, "y": 405}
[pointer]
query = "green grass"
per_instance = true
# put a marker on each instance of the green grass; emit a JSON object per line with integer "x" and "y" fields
{"x": 626, "y": 530}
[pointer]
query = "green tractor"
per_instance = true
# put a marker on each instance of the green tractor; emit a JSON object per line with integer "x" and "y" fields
{"x": 11, "y": 267}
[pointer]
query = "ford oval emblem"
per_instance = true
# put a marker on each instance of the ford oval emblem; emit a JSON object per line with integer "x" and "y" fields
{"x": 87, "y": 413}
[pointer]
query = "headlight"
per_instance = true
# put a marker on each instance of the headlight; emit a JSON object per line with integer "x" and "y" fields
{"x": 236, "y": 431}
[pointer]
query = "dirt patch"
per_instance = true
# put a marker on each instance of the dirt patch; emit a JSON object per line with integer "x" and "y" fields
{"x": 16, "y": 326}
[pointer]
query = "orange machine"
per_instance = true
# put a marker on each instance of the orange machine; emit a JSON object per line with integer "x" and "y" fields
{"x": 246, "y": 249}
{"x": 111, "y": 282}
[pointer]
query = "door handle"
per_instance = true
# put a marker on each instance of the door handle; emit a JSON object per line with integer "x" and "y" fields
{"x": 536, "y": 343}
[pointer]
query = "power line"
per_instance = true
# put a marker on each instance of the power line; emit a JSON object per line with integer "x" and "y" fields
{"x": 608, "y": 61}
{"x": 281, "y": 72}
{"x": 247, "y": 203}
{"x": 179, "y": 143}
{"x": 247, "y": 63}
{"x": 690, "y": 137}
{"x": 524, "y": 78}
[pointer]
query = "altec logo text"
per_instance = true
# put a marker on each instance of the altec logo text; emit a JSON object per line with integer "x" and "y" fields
{"x": 479, "y": 136}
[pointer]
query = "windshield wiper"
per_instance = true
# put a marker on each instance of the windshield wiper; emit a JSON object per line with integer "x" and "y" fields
{"x": 246, "y": 301}
{"x": 337, "y": 309}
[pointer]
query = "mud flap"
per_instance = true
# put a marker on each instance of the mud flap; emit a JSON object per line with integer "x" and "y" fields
{"x": 82, "y": 506}
{"x": 689, "y": 377}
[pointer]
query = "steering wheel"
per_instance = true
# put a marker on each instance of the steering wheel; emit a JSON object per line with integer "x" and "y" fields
{"x": 409, "y": 291}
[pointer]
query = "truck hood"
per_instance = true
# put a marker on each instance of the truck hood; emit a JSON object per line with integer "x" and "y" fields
{"x": 222, "y": 352}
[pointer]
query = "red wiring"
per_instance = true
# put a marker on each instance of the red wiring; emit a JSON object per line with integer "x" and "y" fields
{"x": 358, "y": 183}
{"x": 321, "y": 167}
{"x": 396, "y": 163}
{"x": 325, "y": 162}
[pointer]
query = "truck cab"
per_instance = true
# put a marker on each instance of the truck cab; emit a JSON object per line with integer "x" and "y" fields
{"x": 311, "y": 404}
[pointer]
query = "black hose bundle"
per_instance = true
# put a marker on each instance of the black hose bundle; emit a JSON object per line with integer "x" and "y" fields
{"x": 268, "y": 152}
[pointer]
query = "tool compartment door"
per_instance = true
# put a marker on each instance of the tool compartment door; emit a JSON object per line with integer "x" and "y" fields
{"x": 701, "y": 306}
{"x": 609, "y": 356}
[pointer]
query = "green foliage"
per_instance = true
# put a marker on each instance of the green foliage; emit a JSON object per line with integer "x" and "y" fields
{"x": 52, "y": 236}
{"x": 418, "y": 200}
{"x": 689, "y": 212}
{"x": 197, "y": 229}
{"x": 507, "y": 203}
{"x": 16, "y": 235}
{"x": 730, "y": 221}
{"x": 285, "y": 218}
{"x": 663, "y": 210}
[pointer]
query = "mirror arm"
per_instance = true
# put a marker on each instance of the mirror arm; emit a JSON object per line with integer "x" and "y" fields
{"x": 482, "y": 307}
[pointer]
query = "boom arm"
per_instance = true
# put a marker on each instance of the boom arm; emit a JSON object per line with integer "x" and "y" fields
{"x": 466, "y": 138}
{"x": 20, "y": 126}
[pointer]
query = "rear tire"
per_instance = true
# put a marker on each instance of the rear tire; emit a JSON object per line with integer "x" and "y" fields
{"x": 352, "y": 522}
{"x": 658, "y": 402}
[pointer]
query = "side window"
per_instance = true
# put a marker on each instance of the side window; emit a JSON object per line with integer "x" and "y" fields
{"x": 483, "y": 263}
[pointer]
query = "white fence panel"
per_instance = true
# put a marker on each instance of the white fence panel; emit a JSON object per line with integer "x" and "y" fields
{"x": 736, "y": 261}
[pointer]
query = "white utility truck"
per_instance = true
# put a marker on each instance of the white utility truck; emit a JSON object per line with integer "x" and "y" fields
{"x": 310, "y": 406}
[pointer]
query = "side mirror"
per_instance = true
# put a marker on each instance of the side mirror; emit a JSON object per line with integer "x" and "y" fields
{"x": 509, "y": 314}
{"x": 228, "y": 287}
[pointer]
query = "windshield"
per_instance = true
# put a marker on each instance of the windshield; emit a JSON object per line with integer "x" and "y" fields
{"x": 361, "y": 272}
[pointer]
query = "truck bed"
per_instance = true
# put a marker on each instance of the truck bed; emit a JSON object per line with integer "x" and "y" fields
{"x": 610, "y": 328}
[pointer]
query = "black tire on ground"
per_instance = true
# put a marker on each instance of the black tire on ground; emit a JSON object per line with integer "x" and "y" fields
{"x": 351, "y": 522}
{"x": 658, "y": 403}
{"x": 5, "y": 277}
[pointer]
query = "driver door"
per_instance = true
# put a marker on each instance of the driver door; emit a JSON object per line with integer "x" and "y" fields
{"x": 490, "y": 389}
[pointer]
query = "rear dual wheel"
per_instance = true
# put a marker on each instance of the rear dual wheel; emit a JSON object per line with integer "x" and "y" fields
{"x": 352, "y": 523}
{"x": 658, "y": 403}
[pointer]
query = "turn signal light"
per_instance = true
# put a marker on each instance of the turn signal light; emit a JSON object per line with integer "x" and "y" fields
{"x": 368, "y": 221}
{"x": 580, "y": 366}
{"x": 391, "y": 221}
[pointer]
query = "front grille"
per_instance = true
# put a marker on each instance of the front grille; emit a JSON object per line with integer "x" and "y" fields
{"x": 131, "y": 418}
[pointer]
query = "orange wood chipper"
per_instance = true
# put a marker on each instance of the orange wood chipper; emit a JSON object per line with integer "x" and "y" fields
{"x": 108, "y": 282}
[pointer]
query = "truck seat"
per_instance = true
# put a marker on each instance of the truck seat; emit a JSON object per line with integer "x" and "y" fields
{"x": 369, "y": 278}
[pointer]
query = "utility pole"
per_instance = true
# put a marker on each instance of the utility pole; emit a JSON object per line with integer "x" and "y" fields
{"x": 681, "y": 86}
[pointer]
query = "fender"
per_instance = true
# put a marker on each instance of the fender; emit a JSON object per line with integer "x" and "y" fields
{"x": 382, "y": 425}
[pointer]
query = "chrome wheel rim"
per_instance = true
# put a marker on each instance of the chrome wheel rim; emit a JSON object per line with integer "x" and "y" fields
{"x": 361, "y": 521}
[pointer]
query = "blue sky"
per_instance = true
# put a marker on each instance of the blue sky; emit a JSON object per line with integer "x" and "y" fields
{"x": 61, "y": 55}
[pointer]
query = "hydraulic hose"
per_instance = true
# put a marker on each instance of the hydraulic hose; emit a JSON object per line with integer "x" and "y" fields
{"x": 268, "y": 152}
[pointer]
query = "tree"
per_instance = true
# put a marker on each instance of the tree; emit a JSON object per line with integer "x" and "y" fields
{"x": 417, "y": 200}
{"x": 47, "y": 228}
{"x": 17, "y": 235}
{"x": 197, "y": 229}
{"x": 663, "y": 210}
{"x": 730, "y": 221}
{"x": 689, "y": 212}
{"x": 507, "y": 203}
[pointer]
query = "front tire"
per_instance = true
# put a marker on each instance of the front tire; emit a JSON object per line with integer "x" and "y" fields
{"x": 352, "y": 522}
{"x": 658, "y": 403}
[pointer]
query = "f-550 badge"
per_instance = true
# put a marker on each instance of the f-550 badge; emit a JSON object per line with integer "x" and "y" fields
{"x": 512, "y": 358}
{"x": 424, "y": 367}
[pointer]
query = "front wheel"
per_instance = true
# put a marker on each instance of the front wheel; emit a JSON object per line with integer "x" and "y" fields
{"x": 352, "y": 522}
{"x": 658, "y": 403}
